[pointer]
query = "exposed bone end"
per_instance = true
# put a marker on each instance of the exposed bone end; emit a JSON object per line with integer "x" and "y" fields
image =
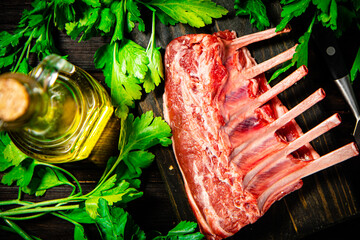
{"x": 339, "y": 155}
{"x": 297, "y": 143}
{"x": 270, "y": 63}
{"x": 304, "y": 68}
{"x": 286, "y": 29}
{"x": 290, "y": 80}
{"x": 264, "y": 205}
{"x": 281, "y": 161}
{"x": 256, "y": 37}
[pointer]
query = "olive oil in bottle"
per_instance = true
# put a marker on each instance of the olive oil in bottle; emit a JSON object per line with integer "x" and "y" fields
{"x": 57, "y": 113}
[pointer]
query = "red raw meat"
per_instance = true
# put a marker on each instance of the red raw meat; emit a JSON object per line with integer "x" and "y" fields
{"x": 238, "y": 148}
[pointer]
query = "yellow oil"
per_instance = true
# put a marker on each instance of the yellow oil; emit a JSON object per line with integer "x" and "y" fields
{"x": 78, "y": 109}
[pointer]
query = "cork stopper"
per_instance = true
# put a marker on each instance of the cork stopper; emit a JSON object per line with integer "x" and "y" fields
{"x": 14, "y": 99}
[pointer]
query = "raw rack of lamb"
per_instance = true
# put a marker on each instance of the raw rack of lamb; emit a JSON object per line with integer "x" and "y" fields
{"x": 238, "y": 148}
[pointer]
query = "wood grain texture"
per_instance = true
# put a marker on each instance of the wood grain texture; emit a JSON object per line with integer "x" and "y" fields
{"x": 328, "y": 200}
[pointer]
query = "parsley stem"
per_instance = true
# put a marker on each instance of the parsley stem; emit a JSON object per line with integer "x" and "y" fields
{"x": 152, "y": 38}
{"x": 26, "y": 217}
{"x": 49, "y": 202}
{"x": 19, "y": 194}
{"x": 14, "y": 202}
{"x": 68, "y": 173}
{"x": 106, "y": 175}
{"x": 148, "y": 6}
{"x": 17, "y": 229}
{"x": 37, "y": 210}
{"x": 59, "y": 215}
{"x": 121, "y": 146}
{"x": 27, "y": 45}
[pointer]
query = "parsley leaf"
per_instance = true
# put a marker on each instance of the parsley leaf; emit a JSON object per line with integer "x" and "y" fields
{"x": 155, "y": 73}
{"x": 110, "y": 18}
{"x": 355, "y": 67}
{"x": 133, "y": 59}
{"x": 79, "y": 232}
{"x": 64, "y": 12}
{"x": 78, "y": 215}
{"x": 328, "y": 12}
{"x": 106, "y": 20}
{"x": 11, "y": 153}
{"x": 286, "y": 66}
{"x": 193, "y": 12}
{"x": 20, "y": 169}
{"x": 156, "y": 70}
{"x": 256, "y": 11}
{"x": 86, "y": 25}
{"x": 301, "y": 51}
{"x": 118, "y": 184}
{"x": 345, "y": 18}
{"x": 112, "y": 192}
{"x": 128, "y": 67}
{"x": 116, "y": 224}
{"x": 117, "y": 8}
{"x": 32, "y": 35}
{"x": 21, "y": 173}
{"x": 124, "y": 66}
{"x": 146, "y": 132}
{"x": 135, "y": 161}
{"x": 136, "y": 136}
{"x": 293, "y": 8}
{"x": 134, "y": 16}
{"x": 45, "y": 178}
{"x": 184, "y": 230}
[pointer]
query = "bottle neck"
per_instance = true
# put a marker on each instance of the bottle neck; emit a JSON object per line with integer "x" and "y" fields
{"x": 22, "y": 100}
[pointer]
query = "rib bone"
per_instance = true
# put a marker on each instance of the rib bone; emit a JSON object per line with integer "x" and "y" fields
{"x": 312, "y": 167}
{"x": 269, "y": 64}
{"x": 238, "y": 147}
{"x": 265, "y": 97}
{"x": 251, "y": 141}
{"x": 251, "y": 177}
{"x": 256, "y": 69}
{"x": 255, "y": 37}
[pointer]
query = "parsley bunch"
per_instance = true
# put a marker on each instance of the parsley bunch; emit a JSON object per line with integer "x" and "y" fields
{"x": 334, "y": 14}
{"x": 256, "y": 11}
{"x": 129, "y": 69}
{"x": 105, "y": 204}
{"x": 128, "y": 66}
{"x": 32, "y": 35}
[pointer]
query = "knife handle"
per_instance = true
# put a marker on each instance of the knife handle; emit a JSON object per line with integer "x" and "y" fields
{"x": 327, "y": 44}
{"x": 345, "y": 88}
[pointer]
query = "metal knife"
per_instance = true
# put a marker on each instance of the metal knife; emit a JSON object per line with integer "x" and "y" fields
{"x": 328, "y": 46}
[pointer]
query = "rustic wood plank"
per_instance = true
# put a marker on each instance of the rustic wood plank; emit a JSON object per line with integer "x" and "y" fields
{"x": 326, "y": 199}
{"x": 327, "y": 196}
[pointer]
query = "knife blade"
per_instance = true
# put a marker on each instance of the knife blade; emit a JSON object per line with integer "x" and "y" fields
{"x": 326, "y": 42}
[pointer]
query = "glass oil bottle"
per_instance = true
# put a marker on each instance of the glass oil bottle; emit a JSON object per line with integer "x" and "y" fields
{"x": 57, "y": 113}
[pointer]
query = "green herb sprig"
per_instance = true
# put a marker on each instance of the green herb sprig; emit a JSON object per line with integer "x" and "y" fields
{"x": 32, "y": 35}
{"x": 128, "y": 69}
{"x": 334, "y": 14}
{"x": 105, "y": 204}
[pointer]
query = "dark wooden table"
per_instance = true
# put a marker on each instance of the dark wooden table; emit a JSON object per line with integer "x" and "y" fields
{"x": 328, "y": 205}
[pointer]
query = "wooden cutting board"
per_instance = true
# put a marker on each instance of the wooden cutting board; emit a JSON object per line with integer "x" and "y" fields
{"x": 328, "y": 197}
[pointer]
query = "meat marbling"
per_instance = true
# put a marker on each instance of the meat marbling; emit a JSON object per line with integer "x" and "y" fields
{"x": 238, "y": 148}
